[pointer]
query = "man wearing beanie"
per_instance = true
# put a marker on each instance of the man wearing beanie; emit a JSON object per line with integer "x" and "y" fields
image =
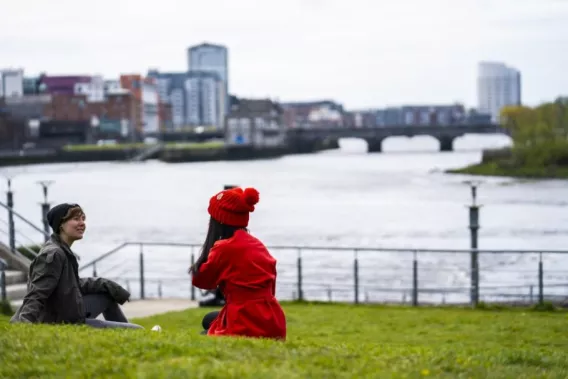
{"x": 56, "y": 294}
{"x": 241, "y": 267}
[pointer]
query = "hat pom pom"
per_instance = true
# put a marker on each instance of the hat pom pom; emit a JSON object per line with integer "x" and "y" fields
{"x": 251, "y": 196}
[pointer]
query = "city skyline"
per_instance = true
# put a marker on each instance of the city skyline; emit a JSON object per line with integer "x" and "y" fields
{"x": 363, "y": 54}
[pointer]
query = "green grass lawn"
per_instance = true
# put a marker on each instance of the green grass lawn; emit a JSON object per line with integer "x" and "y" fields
{"x": 325, "y": 341}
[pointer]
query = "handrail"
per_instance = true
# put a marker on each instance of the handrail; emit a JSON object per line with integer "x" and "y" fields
{"x": 355, "y": 249}
{"x": 24, "y": 219}
{"x": 105, "y": 255}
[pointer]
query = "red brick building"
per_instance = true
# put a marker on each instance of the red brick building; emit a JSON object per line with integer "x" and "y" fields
{"x": 117, "y": 111}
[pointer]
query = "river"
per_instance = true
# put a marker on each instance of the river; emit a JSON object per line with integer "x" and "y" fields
{"x": 399, "y": 198}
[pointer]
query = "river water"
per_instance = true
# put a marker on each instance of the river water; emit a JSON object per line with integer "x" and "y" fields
{"x": 397, "y": 199}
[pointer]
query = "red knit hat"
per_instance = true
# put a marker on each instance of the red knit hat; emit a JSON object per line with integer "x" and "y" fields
{"x": 232, "y": 206}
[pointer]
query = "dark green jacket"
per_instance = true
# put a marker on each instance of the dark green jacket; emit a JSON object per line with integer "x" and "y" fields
{"x": 55, "y": 291}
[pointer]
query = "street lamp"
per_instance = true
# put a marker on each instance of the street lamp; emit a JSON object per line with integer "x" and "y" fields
{"x": 45, "y": 207}
{"x": 474, "y": 228}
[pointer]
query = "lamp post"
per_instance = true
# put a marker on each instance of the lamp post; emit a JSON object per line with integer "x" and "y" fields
{"x": 45, "y": 207}
{"x": 474, "y": 228}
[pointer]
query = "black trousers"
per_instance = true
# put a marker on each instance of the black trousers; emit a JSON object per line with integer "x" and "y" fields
{"x": 96, "y": 304}
{"x": 208, "y": 320}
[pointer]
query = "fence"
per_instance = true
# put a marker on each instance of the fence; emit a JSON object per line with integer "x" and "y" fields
{"x": 326, "y": 273}
{"x": 354, "y": 274}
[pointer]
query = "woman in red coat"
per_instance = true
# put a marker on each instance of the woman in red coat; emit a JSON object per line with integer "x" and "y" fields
{"x": 241, "y": 267}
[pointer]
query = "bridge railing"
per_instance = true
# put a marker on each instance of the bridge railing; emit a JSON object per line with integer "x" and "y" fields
{"x": 355, "y": 274}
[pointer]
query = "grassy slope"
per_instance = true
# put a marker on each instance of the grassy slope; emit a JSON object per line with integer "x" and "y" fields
{"x": 324, "y": 341}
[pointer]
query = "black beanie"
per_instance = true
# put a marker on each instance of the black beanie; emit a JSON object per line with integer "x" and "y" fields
{"x": 56, "y": 214}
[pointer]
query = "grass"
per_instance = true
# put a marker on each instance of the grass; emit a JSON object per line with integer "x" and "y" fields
{"x": 195, "y": 145}
{"x": 128, "y": 146}
{"x": 94, "y": 147}
{"x": 494, "y": 169}
{"x": 324, "y": 341}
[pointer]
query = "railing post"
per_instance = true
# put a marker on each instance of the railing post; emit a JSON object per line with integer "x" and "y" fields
{"x": 192, "y": 289}
{"x": 142, "y": 272}
{"x": 11, "y": 226}
{"x": 356, "y": 277}
{"x": 540, "y": 280}
{"x": 300, "y": 289}
{"x": 45, "y": 208}
{"x": 3, "y": 280}
{"x": 415, "y": 280}
{"x": 531, "y": 294}
{"x": 44, "y": 211}
{"x": 160, "y": 289}
{"x": 94, "y": 270}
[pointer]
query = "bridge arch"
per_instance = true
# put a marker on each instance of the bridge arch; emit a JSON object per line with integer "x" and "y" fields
{"x": 376, "y": 144}
{"x": 313, "y": 139}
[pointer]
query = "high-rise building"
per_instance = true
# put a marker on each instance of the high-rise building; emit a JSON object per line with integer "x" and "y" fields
{"x": 498, "y": 86}
{"x": 171, "y": 89}
{"x": 203, "y": 99}
{"x": 196, "y": 97}
{"x": 211, "y": 58}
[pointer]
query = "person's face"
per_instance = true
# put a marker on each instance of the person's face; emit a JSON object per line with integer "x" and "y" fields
{"x": 75, "y": 226}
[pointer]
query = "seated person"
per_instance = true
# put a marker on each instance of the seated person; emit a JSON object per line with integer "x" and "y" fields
{"x": 239, "y": 265}
{"x": 56, "y": 294}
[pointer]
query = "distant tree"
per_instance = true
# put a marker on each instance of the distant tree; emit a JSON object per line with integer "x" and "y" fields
{"x": 540, "y": 134}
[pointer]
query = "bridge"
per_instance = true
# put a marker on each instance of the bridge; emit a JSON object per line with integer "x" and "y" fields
{"x": 306, "y": 140}
{"x": 311, "y": 139}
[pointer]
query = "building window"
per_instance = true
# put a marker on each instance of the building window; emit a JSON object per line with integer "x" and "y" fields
{"x": 408, "y": 118}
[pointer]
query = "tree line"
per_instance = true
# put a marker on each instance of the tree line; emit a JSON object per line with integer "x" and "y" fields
{"x": 540, "y": 134}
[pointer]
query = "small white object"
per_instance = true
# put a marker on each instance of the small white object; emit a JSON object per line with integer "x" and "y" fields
{"x": 157, "y": 328}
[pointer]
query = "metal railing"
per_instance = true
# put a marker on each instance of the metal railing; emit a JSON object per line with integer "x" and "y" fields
{"x": 17, "y": 229}
{"x": 357, "y": 274}
{"x": 15, "y": 236}
{"x": 334, "y": 273}
{"x": 3, "y": 293}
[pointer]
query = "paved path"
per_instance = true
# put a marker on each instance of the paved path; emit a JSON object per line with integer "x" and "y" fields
{"x": 145, "y": 308}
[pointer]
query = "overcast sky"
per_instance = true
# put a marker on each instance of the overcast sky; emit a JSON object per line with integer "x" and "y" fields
{"x": 362, "y": 53}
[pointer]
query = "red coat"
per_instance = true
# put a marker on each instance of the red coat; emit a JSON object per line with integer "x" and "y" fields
{"x": 245, "y": 272}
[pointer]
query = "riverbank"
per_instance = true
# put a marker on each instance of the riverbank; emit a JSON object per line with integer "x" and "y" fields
{"x": 494, "y": 169}
{"x": 169, "y": 152}
{"x": 500, "y": 162}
